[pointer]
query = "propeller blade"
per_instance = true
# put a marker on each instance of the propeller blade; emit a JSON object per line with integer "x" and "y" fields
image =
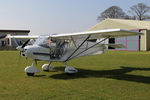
{"x": 15, "y": 41}
{"x": 20, "y": 53}
{"x": 19, "y": 59}
{"x": 25, "y": 43}
{"x": 2, "y": 36}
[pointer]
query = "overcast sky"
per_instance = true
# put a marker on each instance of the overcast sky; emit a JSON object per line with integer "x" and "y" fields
{"x": 56, "y": 16}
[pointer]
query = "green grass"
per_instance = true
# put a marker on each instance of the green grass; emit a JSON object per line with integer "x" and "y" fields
{"x": 115, "y": 75}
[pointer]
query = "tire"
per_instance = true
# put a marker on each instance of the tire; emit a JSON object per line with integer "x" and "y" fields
{"x": 30, "y": 74}
{"x": 69, "y": 73}
{"x": 46, "y": 70}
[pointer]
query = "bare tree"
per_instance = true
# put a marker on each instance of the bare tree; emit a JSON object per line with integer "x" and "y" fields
{"x": 140, "y": 11}
{"x": 112, "y": 12}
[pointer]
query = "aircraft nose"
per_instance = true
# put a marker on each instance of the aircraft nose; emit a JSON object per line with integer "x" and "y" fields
{"x": 28, "y": 51}
{"x": 24, "y": 52}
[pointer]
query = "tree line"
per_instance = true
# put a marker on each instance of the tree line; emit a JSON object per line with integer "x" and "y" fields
{"x": 139, "y": 11}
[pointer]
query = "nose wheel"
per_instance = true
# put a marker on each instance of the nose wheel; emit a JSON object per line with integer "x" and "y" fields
{"x": 31, "y": 70}
{"x": 30, "y": 74}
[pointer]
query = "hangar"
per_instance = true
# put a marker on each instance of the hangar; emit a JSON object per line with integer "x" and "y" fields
{"x": 134, "y": 43}
{"x": 9, "y": 43}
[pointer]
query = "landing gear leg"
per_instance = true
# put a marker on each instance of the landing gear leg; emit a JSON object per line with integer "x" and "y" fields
{"x": 47, "y": 67}
{"x": 30, "y": 70}
{"x": 70, "y": 69}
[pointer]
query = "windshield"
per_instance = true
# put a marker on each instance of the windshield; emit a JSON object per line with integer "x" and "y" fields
{"x": 45, "y": 41}
{"x": 31, "y": 42}
{"x": 41, "y": 40}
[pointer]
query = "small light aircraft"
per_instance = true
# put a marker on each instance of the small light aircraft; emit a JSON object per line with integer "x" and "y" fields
{"x": 64, "y": 47}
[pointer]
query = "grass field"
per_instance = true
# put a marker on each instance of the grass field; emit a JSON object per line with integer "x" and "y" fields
{"x": 115, "y": 75}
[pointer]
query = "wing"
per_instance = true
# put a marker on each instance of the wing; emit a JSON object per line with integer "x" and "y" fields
{"x": 23, "y": 36}
{"x": 111, "y": 33}
{"x": 84, "y": 47}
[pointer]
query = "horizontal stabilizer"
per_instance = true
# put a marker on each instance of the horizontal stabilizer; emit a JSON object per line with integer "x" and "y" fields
{"x": 116, "y": 45}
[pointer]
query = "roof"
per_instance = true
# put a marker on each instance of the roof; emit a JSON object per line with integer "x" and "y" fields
{"x": 27, "y": 31}
{"x": 121, "y": 23}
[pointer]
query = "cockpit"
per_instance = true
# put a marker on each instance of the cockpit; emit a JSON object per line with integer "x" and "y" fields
{"x": 56, "y": 47}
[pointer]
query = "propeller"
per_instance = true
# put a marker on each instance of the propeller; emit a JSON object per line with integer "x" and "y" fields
{"x": 21, "y": 48}
{"x": 25, "y": 43}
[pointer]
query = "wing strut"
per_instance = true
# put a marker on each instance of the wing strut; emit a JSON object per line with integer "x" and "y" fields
{"x": 73, "y": 42}
{"x": 90, "y": 47}
{"x": 78, "y": 47}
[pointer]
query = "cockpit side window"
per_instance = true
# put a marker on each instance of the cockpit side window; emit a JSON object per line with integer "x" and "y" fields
{"x": 59, "y": 49}
{"x": 56, "y": 47}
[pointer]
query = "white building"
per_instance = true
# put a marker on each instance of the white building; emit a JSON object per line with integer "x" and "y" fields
{"x": 9, "y": 43}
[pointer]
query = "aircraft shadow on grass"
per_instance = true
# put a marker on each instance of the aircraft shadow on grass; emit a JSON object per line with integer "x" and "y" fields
{"x": 119, "y": 74}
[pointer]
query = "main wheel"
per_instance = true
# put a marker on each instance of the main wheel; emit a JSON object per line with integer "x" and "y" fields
{"x": 46, "y": 70}
{"x": 69, "y": 74}
{"x": 30, "y": 74}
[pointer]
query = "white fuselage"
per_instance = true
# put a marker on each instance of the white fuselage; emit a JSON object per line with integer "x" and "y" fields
{"x": 37, "y": 52}
{"x": 60, "y": 50}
